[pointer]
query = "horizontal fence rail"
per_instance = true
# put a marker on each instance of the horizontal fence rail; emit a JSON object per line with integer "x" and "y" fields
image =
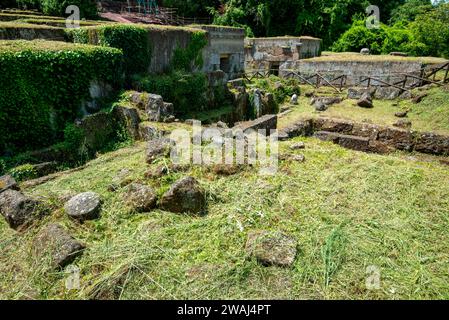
{"x": 407, "y": 82}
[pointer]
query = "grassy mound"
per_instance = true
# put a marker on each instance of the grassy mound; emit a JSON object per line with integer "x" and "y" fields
{"x": 347, "y": 210}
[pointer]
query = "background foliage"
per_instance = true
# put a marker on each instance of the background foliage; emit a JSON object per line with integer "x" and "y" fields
{"x": 34, "y": 113}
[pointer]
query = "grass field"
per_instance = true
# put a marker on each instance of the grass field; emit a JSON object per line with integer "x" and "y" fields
{"x": 354, "y": 56}
{"x": 347, "y": 210}
{"x": 432, "y": 114}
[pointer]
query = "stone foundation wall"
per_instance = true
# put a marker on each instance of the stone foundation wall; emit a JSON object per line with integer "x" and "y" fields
{"x": 369, "y": 137}
{"x": 389, "y": 71}
{"x": 263, "y": 53}
{"x": 224, "y": 50}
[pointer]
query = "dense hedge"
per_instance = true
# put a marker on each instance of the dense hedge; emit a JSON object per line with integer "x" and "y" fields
{"x": 43, "y": 85}
{"x": 135, "y": 43}
{"x": 132, "y": 40}
{"x": 187, "y": 91}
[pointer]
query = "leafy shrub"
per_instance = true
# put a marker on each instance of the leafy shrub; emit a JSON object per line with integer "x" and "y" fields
{"x": 43, "y": 85}
{"x": 431, "y": 29}
{"x": 282, "y": 89}
{"x": 359, "y": 36}
{"x": 135, "y": 43}
{"x": 132, "y": 40}
{"x": 23, "y": 172}
{"x": 187, "y": 91}
{"x": 188, "y": 58}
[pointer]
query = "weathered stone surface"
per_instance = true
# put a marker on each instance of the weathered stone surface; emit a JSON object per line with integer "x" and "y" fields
{"x": 236, "y": 83}
{"x": 8, "y": 182}
{"x": 240, "y": 102}
{"x": 387, "y": 93}
{"x": 297, "y": 146}
{"x": 99, "y": 128}
{"x": 398, "y": 138}
{"x": 84, "y": 206}
{"x": 294, "y": 99}
{"x": 157, "y": 148}
{"x": 149, "y": 132}
{"x": 140, "y": 197}
{"x": 333, "y": 125}
{"x": 347, "y": 141}
{"x": 282, "y": 135}
{"x": 222, "y": 125}
{"x": 354, "y": 142}
{"x": 298, "y": 157}
{"x": 398, "y": 54}
{"x": 45, "y": 168}
{"x": 320, "y": 106}
{"x": 419, "y": 97}
{"x": 327, "y": 101}
{"x": 267, "y": 122}
{"x": 54, "y": 243}
{"x": 405, "y": 95}
{"x": 153, "y": 105}
{"x": 122, "y": 179}
{"x": 19, "y": 210}
{"x": 365, "y": 101}
{"x": 129, "y": 118}
{"x": 299, "y": 128}
{"x": 365, "y": 130}
{"x": 365, "y": 51}
{"x": 327, "y": 136}
{"x": 184, "y": 196}
{"x": 356, "y": 93}
{"x": 404, "y": 124}
{"x": 271, "y": 248}
{"x": 432, "y": 143}
{"x": 401, "y": 114}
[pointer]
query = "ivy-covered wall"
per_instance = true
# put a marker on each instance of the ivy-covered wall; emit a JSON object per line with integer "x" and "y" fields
{"x": 42, "y": 86}
{"x": 148, "y": 49}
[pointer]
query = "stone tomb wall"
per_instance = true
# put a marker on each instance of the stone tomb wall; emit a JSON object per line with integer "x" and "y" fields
{"x": 386, "y": 70}
{"x": 269, "y": 53}
{"x": 224, "y": 50}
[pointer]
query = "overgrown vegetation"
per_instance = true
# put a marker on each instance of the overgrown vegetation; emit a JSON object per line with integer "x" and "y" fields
{"x": 426, "y": 35}
{"x": 132, "y": 40}
{"x": 347, "y": 210}
{"x": 34, "y": 113}
{"x": 282, "y": 89}
{"x": 430, "y": 115}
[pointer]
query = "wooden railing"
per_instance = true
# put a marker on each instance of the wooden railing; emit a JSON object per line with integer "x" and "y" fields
{"x": 406, "y": 83}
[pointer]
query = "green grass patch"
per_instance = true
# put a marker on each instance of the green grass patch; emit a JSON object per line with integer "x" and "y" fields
{"x": 354, "y": 56}
{"x": 347, "y": 210}
{"x": 431, "y": 114}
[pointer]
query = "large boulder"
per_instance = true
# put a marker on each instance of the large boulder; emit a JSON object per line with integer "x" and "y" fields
{"x": 157, "y": 148}
{"x": 327, "y": 101}
{"x": 366, "y": 101}
{"x": 294, "y": 99}
{"x": 129, "y": 118}
{"x": 84, "y": 206}
{"x": 387, "y": 93}
{"x": 18, "y": 209}
{"x": 267, "y": 123}
{"x": 184, "y": 196}
{"x": 432, "y": 143}
{"x": 55, "y": 244}
{"x": 153, "y": 105}
{"x": 120, "y": 180}
{"x": 8, "y": 182}
{"x": 140, "y": 197}
{"x": 357, "y": 92}
{"x": 271, "y": 248}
